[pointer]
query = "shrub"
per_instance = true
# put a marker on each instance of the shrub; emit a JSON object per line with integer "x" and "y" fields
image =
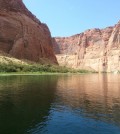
{"x": 37, "y": 68}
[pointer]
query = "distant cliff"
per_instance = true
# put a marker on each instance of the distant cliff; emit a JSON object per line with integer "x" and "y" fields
{"x": 95, "y": 49}
{"x": 22, "y": 35}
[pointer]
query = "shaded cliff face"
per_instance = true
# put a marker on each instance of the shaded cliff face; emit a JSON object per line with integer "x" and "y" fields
{"x": 22, "y": 35}
{"x": 94, "y": 49}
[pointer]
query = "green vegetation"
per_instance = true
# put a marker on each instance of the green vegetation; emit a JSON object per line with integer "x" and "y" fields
{"x": 7, "y": 68}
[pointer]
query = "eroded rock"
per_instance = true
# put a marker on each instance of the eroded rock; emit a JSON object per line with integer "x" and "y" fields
{"x": 22, "y": 35}
{"x": 95, "y": 49}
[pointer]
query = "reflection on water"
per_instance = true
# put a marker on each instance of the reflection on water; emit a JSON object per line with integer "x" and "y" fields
{"x": 66, "y": 104}
{"x": 24, "y": 102}
{"x": 97, "y": 95}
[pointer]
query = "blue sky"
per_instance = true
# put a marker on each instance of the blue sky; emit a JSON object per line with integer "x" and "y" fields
{"x": 69, "y": 17}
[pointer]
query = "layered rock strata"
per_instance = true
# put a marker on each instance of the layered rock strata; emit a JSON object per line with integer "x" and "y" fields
{"x": 95, "y": 49}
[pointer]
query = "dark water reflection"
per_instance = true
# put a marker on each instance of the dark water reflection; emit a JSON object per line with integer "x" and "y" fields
{"x": 85, "y": 104}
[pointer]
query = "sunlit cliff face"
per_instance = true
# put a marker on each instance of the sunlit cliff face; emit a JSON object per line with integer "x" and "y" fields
{"x": 22, "y": 35}
{"x": 97, "y": 49}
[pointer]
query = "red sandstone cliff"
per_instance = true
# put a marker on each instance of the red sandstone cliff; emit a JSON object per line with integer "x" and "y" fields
{"x": 22, "y": 35}
{"x": 96, "y": 49}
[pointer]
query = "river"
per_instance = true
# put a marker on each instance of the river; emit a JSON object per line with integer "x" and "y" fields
{"x": 60, "y": 104}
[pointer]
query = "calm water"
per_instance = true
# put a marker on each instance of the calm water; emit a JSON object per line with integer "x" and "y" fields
{"x": 63, "y": 104}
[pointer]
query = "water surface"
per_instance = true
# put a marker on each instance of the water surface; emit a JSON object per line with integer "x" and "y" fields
{"x": 60, "y": 104}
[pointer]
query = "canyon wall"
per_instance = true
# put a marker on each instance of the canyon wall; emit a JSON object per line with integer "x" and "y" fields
{"x": 22, "y": 35}
{"x": 95, "y": 49}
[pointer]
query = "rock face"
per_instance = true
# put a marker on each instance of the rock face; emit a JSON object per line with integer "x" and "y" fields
{"x": 94, "y": 49}
{"x": 22, "y": 35}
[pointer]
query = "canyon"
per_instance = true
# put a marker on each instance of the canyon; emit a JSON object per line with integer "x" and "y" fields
{"x": 22, "y": 35}
{"x": 95, "y": 49}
